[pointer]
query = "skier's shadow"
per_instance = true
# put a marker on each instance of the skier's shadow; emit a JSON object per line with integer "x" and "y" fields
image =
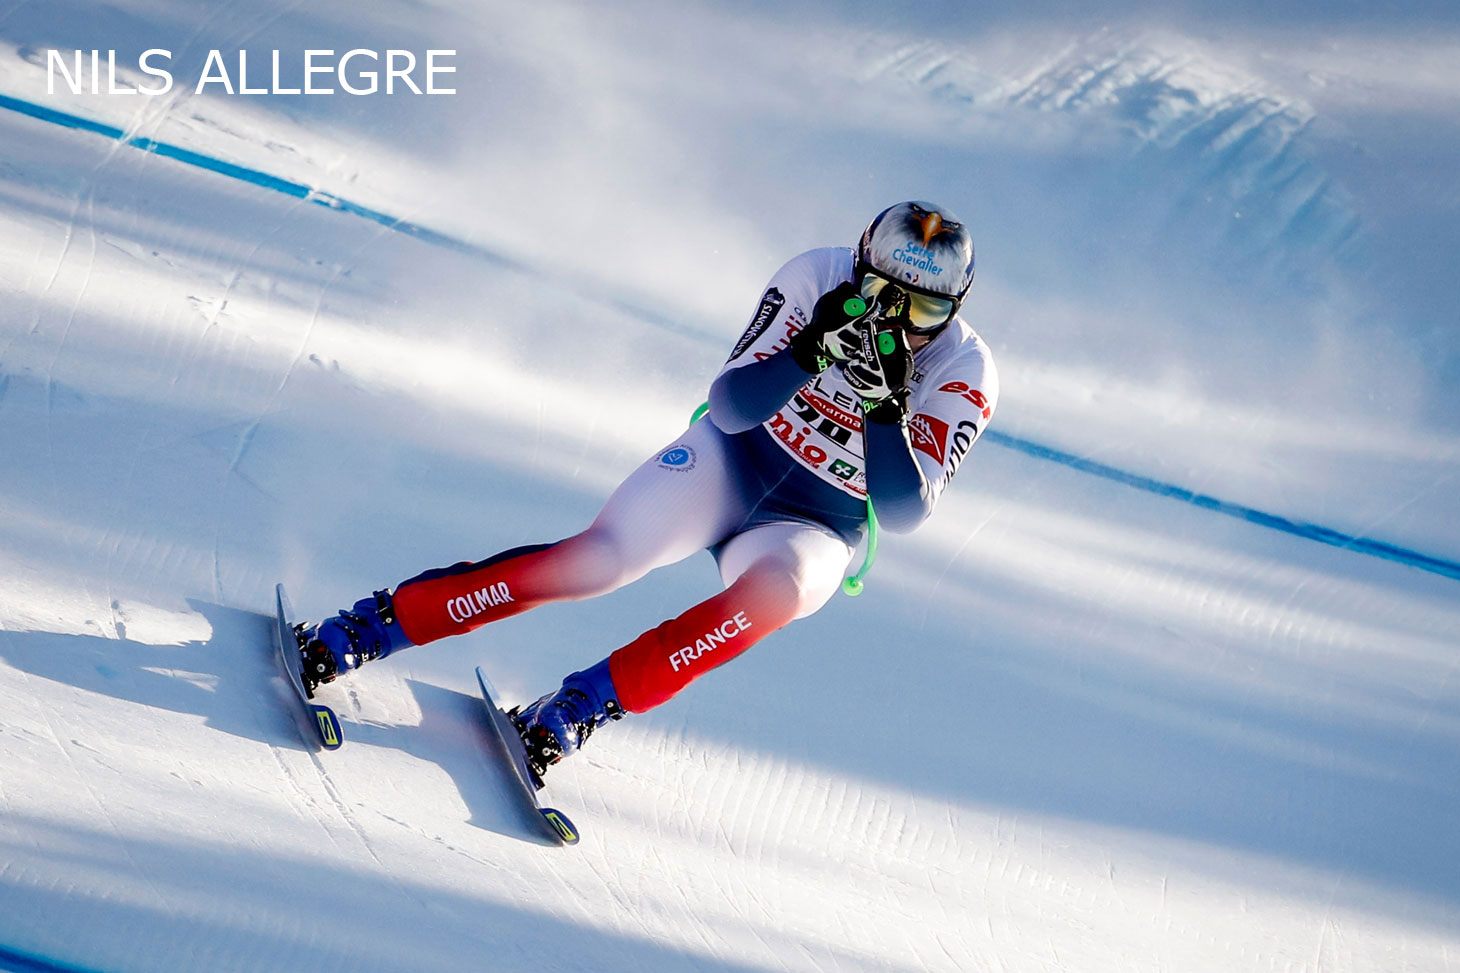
{"x": 453, "y": 734}
{"x": 229, "y": 679}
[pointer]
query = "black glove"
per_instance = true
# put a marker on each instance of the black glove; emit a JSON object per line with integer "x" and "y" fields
{"x": 881, "y": 371}
{"x": 813, "y": 347}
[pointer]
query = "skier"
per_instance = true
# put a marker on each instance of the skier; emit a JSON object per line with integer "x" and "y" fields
{"x": 877, "y": 391}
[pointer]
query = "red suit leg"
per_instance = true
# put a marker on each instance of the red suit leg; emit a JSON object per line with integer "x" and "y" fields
{"x": 466, "y": 596}
{"x": 662, "y": 513}
{"x": 662, "y": 661}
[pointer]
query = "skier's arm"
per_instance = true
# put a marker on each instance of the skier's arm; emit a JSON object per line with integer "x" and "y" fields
{"x": 744, "y": 397}
{"x": 899, "y": 491}
{"x": 913, "y": 449}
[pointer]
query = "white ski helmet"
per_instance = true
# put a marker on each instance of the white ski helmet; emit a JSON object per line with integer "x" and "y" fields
{"x": 922, "y": 247}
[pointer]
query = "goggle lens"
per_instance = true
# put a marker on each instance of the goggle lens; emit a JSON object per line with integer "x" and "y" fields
{"x": 925, "y": 312}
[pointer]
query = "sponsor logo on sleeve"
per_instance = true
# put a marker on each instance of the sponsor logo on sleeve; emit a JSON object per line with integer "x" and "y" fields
{"x": 795, "y": 323}
{"x": 963, "y": 438}
{"x": 770, "y": 306}
{"x": 971, "y": 394}
{"x": 929, "y": 434}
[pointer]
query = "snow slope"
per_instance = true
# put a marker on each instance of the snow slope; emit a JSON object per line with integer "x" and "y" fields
{"x": 1072, "y": 725}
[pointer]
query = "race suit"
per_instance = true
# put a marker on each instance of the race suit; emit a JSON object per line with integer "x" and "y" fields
{"x": 774, "y": 481}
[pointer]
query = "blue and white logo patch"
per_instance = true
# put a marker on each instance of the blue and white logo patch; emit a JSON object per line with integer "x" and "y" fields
{"x": 680, "y": 459}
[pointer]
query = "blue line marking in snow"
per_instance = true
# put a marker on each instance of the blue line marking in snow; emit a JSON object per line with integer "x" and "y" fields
{"x": 1297, "y": 528}
{"x": 253, "y": 177}
{"x": 1313, "y": 532}
{"x": 61, "y": 118}
{"x": 15, "y": 961}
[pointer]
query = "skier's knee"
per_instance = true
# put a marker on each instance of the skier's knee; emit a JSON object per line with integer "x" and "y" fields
{"x": 795, "y": 586}
{"x": 595, "y": 563}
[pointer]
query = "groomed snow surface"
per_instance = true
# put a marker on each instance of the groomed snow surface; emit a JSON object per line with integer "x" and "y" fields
{"x": 1071, "y": 725}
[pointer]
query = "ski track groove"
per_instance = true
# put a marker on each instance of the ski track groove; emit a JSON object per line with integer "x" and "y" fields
{"x": 85, "y": 780}
{"x": 111, "y": 550}
{"x": 271, "y": 404}
{"x": 437, "y": 839}
{"x": 688, "y": 916}
{"x": 51, "y": 438}
{"x": 310, "y": 804}
{"x": 621, "y": 910}
{"x": 246, "y": 438}
{"x": 345, "y": 814}
{"x": 774, "y": 784}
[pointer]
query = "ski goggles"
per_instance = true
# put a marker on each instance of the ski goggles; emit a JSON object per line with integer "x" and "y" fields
{"x": 925, "y": 312}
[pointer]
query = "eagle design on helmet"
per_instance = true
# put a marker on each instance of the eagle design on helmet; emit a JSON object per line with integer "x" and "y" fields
{"x": 922, "y": 246}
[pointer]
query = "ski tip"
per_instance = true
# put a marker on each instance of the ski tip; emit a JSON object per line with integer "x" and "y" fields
{"x": 560, "y": 824}
{"x": 328, "y": 725}
{"x": 488, "y": 690}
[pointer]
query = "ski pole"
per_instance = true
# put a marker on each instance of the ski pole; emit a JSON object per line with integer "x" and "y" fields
{"x": 855, "y": 585}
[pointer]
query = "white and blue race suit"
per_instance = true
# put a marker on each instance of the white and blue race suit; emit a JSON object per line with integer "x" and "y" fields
{"x": 774, "y": 481}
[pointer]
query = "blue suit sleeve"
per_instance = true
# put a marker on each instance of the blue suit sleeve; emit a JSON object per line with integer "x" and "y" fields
{"x": 900, "y": 493}
{"x": 742, "y": 398}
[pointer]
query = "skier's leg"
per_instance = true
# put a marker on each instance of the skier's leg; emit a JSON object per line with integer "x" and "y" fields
{"x": 664, "y": 512}
{"x": 775, "y": 574}
{"x": 682, "y": 500}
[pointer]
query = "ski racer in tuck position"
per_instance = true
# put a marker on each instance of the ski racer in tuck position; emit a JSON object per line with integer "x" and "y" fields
{"x": 878, "y": 391}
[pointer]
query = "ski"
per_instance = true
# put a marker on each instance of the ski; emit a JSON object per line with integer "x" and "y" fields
{"x": 555, "y": 824}
{"x": 324, "y": 726}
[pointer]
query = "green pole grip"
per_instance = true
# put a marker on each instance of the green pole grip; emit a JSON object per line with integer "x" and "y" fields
{"x": 856, "y": 584}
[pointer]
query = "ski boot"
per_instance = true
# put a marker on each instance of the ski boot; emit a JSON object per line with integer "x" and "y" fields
{"x": 558, "y": 724}
{"x": 352, "y": 638}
